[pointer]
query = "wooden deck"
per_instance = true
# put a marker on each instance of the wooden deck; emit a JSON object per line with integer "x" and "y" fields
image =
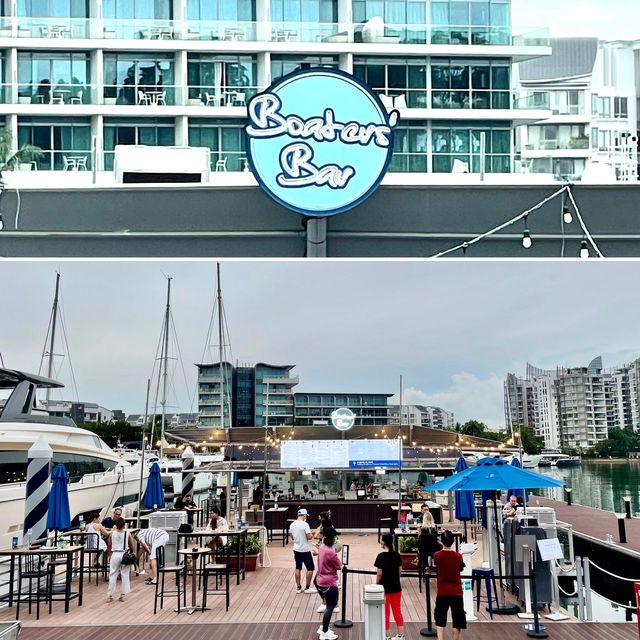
{"x": 306, "y": 631}
{"x": 266, "y": 597}
{"x": 595, "y": 523}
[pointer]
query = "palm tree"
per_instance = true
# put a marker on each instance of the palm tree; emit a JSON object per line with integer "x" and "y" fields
{"x": 10, "y": 159}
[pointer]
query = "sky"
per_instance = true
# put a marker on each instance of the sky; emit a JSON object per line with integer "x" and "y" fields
{"x": 453, "y": 330}
{"x": 606, "y": 19}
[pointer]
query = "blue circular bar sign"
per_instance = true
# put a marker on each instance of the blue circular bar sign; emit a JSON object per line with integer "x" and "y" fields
{"x": 319, "y": 141}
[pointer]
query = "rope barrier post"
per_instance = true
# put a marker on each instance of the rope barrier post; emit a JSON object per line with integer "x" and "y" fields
{"x": 428, "y": 631}
{"x": 627, "y": 507}
{"x": 587, "y": 589}
{"x": 567, "y": 490}
{"x": 343, "y": 623}
{"x": 636, "y": 589}
{"x": 536, "y": 630}
{"x": 581, "y": 615}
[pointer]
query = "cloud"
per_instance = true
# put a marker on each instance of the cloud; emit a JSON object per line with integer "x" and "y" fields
{"x": 468, "y": 396}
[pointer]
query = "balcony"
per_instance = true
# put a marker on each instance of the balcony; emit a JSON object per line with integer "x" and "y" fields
{"x": 374, "y": 31}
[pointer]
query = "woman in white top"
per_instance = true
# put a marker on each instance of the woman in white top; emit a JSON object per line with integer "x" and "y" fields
{"x": 95, "y": 540}
{"x": 217, "y": 524}
{"x": 119, "y": 540}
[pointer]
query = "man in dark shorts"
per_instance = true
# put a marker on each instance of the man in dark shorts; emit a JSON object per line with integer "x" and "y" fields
{"x": 300, "y": 533}
{"x": 449, "y": 564}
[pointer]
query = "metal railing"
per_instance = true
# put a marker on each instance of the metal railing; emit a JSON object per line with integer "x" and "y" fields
{"x": 371, "y": 31}
{"x": 46, "y": 93}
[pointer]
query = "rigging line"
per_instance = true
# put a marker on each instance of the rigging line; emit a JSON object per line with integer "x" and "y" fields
{"x": 501, "y": 226}
{"x": 46, "y": 340}
{"x": 63, "y": 324}
{"x": 153, "y": 371}
{"x": 180, "y": 360}
{"x": 583, "y": 225}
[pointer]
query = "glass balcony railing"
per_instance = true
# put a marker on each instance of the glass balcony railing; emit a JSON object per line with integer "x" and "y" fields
{"x": 373, "y": 31}
{"x": 63, "y": 160}
{"x": 49, "y": 94}
{"x": 143, "y": 95}
{"x": 209, "y": 96}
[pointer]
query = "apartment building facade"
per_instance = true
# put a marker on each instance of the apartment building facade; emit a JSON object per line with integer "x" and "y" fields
{"x": 422, "y": 416}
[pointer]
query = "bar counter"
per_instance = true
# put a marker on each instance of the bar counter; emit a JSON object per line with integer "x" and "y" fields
{"x": 348, "y": 514}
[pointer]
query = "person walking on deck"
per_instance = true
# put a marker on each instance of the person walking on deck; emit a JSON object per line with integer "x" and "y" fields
{"x": 119, "y": 540}
{"x": 301, "y": 533}
{"x": 449, "y": 564}
{"x": 389, "y": 566}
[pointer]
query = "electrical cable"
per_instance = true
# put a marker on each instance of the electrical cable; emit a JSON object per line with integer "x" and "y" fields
{"x": 468, "y": 243}
{"x": 583, "y": 225}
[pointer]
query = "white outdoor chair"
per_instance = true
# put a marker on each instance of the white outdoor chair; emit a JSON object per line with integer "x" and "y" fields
{"x": 77, "y": 99}
{"x": 81, "y": 163}
{"x": 161, "y": 98}
{"x": 460, "y": 167}
{"x": 400, "y": 102}
{"x": 143, "y": 98}
{"x": 68, "y": 163}
{"x": 387, "y": 101}
{"x": 210, "y": 99}
{"x": 57, "y": 98}
{"x": 221, "y": 165}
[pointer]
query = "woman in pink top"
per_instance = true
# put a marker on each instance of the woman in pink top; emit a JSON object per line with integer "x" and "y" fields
{"x": 327, "y": 580}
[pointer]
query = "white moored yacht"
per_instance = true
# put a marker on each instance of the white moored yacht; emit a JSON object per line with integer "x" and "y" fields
{"x": 98, "y": 478}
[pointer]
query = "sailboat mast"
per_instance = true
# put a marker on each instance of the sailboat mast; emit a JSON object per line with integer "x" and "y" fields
{"x": 220, "y": 348}
{"x": 165, "y": 360}
{"x": 54, "y": 322}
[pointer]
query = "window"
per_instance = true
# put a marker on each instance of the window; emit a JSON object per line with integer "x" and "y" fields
{"x": 147, "y": 131}
{"x": 473, "y": 22}
{"x": 282, "y": 65}
{"x": 620, "y": 108}
{"x": 463, "y": 144}
{"x": 53, "y": 9}
{"x": 401, "y": 82}
{"x": 603, "y": 107}
{"x": 59, "y": 140}
{"x": 404, "y": 19}
{"x": 138, "y": 9}
{"x": 128, "y": 79}
{"x": 232, "y": 10}
{"x": 410, "y": 150}
{"x": 225, "y": 139}
{"x": 43, "y": 77}
{"x": 322, "y": 11}
{"x": 223, "y": 80}
{"x": 473, "y": 86}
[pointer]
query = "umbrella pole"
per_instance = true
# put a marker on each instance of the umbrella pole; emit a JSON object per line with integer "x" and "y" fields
{"x": 504, "y": 608}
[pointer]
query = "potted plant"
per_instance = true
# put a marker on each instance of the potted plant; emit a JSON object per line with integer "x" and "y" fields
{"x": 408, "y": 552}
{"x": 253, "y": 549}
{"x": 11, "y": 160}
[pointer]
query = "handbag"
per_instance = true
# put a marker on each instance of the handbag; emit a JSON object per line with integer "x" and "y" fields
{"x": 128, "y": 557}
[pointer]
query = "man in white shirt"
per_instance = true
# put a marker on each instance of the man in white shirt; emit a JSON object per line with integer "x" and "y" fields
{"x": 511, "y": 508}
{"x": 300, "y": 534}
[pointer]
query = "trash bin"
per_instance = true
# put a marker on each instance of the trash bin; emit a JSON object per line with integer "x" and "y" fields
{"x": 9, "y": 630}
{"x": 373, "y": 600}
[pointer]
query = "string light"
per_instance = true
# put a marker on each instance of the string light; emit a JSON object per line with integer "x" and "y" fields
{"x": 526, "y": 236}
{"x": 566, "y": 214}
{"x": 584, "y": 248}
{"x": 1, "y": 223}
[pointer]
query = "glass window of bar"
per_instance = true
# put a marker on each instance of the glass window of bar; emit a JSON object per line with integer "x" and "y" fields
{"x": 474, "y": 22}
{"x": 225, "y": 139}
{"x": 138, "y": 9}
{"x": 62, "y": 141}
{"x": 409, "y": 153}
{"x": 402, "y": 81}
{"x": 52, "y": 77}
{"x": 281, "y": 65}
{"x": 393, "y": 12}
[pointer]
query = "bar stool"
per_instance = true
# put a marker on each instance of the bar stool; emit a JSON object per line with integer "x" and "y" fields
{"x": 32, "y": 568}
{"x": 162, "y": 571}
{"x": 383, "y": 523}
{"x": 220, "y": 571}
{"x": 487, "y": 574}
{"x": 96, "y": 557}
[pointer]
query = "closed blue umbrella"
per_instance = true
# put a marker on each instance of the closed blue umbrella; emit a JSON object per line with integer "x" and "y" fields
{"x": 517, "y": 492}
{"x": 59, "y": 514}
{"x": 464, "y": 506}
{"x": 154, "y": 495}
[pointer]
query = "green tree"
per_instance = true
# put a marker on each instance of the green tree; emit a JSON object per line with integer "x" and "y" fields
{"x": 531, "y": 443}
{"x": 618, "y": 444}
{"x": 10, "y": 159}
{"x": 474, "y": 428}
{"x": 111, "y": 432}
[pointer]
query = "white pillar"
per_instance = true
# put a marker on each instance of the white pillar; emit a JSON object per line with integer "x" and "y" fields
{"x": 264, "y": 70}
{"x": 182, "y": 131}
{"x": 467, "y": 551}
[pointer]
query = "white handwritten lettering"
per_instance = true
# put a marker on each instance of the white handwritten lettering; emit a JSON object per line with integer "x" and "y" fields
{"x": 299, "y": 170}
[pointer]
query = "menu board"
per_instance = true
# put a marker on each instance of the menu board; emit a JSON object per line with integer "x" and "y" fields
{"x": 340, "y": 454}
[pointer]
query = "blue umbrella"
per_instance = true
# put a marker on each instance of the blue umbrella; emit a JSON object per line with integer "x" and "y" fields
{"x": 59, "y": 515}
{"x": 154, "y": 495}
{"x": 464, "y": 506}
{"x": 493, "y": 474}
{"x": 517, "y": 492}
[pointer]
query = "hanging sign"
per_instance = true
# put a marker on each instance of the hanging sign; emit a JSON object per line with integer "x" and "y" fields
{"x": 319, "y": 141}
{"x": 343, "y": 419}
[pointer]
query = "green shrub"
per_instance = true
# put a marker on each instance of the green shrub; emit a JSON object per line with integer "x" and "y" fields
{"x": 408, "y": 544}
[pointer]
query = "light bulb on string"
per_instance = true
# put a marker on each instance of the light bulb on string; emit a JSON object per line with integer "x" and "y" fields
{"x": 526, "y": 236}
{"x": 584, "y": 248}
{"x": 566, "y": 214}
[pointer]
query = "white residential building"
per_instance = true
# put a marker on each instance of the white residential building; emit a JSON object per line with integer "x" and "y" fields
{"x": 576, "y": 407}
{"x": 79, "y": 412}
{"x": 422, "y": 416}
{"x": 592, "y": 90}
